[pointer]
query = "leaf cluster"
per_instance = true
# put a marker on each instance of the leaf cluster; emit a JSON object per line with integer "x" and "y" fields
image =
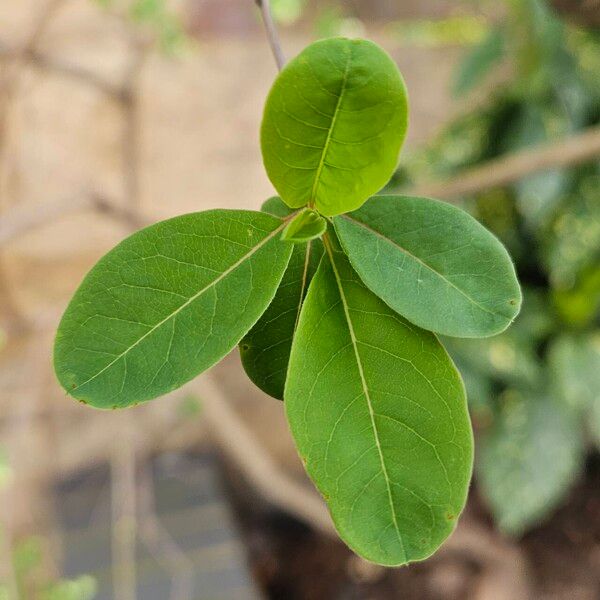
{"x": 335, "y": 297}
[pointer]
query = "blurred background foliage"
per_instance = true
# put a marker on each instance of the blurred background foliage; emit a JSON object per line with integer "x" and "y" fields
{"x": 534, "y": 390}
{"x": 156, "y": 16}
{"x": 30, "y": 580}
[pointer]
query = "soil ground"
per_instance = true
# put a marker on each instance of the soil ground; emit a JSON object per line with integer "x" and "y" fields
{"x": 291, "y": 561}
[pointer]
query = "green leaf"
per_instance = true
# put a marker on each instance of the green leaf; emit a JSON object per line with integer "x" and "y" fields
{"x": 510, "y": 358}
{"x": 265, "y": 350}
{"x": 306, "y": 226}
{"x": 528, "y": 460}
{"x": 379, "y": 416}
{"x": 572, "y": 245}
{"x": 505, "y": 358}
{"x": 580, "y": 304}
{"x": 168, "y": 303}
{"x": 479, "y": 61}
{"x": 432, "y": 263}
{"x": 333, "y": 125}
{"x": 277, "y": 207}
{"x": 575, "y": 367}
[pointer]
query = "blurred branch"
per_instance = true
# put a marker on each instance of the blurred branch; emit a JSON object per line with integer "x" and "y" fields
{"x": 160, "y": 543}
{"x": 271, "y": 30}
{"x": 123, "y": 464}
{"x": 9, "y": 84}
{"x": 28, "y": 217}
{"x": 72, "y": 71}
{"x": 130, "y": 140}
{"x": 11, "y": 80}
{"x": 123, "y": 500}
{"x": 241, "y": 447}
{"x": 565, "y": 153}
{"x": 583, "y": 12}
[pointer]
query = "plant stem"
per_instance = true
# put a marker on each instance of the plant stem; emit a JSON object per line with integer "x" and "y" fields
{"x": 272, "y": 34}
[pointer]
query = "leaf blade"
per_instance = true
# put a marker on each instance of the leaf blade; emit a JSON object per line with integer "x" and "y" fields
{"x": 528, "y": 459}
{"x": 360, "y": 389}
{"x": 452, "y": 276}
{"x": 265, "y": 350}
{"x": 333, "y": 125}
{"x": 161, "y": 307}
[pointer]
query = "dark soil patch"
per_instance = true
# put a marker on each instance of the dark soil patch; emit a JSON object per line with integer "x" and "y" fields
{"x": 290, "y": 561}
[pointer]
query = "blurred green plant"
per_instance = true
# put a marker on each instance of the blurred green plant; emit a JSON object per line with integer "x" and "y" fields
{"x": 460, "y": 30}
{"x": 27, "y": 558}
{"x": 157, "y": 16}
{"x": 287, "y": 12}
{"x": 189, "y": 407}
{"x": 534, "y": 390}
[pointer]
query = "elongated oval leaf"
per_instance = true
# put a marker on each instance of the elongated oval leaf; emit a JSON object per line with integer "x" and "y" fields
{"x": 265, "y": 350}
{"x": 333, "y": 125}
{"x": 167, "y": 303}
{"x": 379, "y": 415}
{"x": 432, "y": 263}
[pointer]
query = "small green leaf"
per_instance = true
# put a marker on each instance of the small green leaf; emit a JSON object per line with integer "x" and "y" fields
{"x": 379, "y": 416}
{"x": 433, "y": 264}
{"x": 168, "y": 303}
{"x": 528, "y": 460}
{"x": 333, "y": 125}
{"x": 306, "y": 226}
{"x": 265, "y": 351}
{"x": 479, "y": 61}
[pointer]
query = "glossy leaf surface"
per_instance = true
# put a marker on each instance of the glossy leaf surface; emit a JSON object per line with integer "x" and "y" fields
{"x": 333, "y": 125}
{"x": 167, "y": 303}
{"x": 378, "y": 413}
{"x": 433, "y": 264}
{"x": 265, "y": 350}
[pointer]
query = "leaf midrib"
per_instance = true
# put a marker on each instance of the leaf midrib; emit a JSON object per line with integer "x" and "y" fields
{"x": 190, "y": 300}
{"x": 365, "y": 392}
{"x": 422, "y": 262}
{"x": 303, "y": 283}
{"x": 336, "y": 112}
